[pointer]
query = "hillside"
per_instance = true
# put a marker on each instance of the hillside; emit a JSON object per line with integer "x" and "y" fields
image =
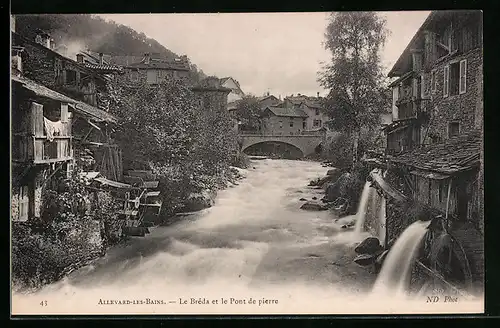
{"x": 80, "y": 32}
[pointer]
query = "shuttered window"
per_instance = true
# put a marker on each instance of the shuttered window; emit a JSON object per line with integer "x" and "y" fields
{"x": 64, "y": 113}
{"x": 23, "y": 203}
{"x": 463, "y": 76}
{"x": 446, "y": 78}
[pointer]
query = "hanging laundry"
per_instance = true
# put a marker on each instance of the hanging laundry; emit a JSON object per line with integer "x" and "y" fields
{"x": 52, "y": 128}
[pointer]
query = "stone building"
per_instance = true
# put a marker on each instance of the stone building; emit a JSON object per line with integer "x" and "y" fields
{"x": 54, "y": 104}
{"x": 434, "y": 143}
{"x": 153, "y": 70}
{"x": 316, "y": 115}
{"x": 236, "y": 92}
{"x": 283, "y": 121}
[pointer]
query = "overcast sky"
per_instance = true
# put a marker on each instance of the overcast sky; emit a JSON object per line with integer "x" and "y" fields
{"x": 276, "y": 52}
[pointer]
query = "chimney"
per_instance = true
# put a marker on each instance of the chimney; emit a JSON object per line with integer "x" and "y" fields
{"x": 101, "y": 60}
{"x": 52, "y": 44}
{"x": 317, "y": 94}
{"x": 147, "y": 58}
{"x": 79, "y": 58}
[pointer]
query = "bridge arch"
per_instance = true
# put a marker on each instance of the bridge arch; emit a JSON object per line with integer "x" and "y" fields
{"x": 307, "y": 144}
{"x": 270, "y": 147}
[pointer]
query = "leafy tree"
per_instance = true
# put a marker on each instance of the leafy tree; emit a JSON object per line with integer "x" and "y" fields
{"x": 248, "y": 112}
{"x": 354, "y": 77}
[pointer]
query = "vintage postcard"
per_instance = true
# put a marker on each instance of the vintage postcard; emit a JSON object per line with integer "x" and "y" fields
{"x": 247, "y": 163}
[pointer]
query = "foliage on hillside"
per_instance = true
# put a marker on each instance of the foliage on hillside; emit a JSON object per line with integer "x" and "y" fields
{"x": 81, "y": 31}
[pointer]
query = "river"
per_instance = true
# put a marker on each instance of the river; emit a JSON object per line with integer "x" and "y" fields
{"x": 254, "y": 242}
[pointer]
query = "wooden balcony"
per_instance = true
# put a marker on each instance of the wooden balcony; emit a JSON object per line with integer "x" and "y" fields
{"x": 39, "y": 150}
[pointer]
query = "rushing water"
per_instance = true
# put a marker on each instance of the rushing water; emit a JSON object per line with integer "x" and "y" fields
{"x": 394, "y": 275}
{"x": 362, "y": 208}
{"x": 255, "y": 242}
{"x": 382, "y": 221}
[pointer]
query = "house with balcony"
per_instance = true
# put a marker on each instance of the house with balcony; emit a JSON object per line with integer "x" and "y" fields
{"x": 434, "y": 142}
{"x": 55, "y": 114}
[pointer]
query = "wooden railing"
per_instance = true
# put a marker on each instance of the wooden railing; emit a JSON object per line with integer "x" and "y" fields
{"x": 40, "y": 150}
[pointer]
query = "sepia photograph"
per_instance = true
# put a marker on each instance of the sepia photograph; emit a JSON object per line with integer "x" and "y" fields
{"x": 306, "y": 163}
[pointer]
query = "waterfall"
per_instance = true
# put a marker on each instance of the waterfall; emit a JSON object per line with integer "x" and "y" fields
{"x": 381, "y": 221}
{"x": 393, "y": 276}
{"x": 362, "y": 208}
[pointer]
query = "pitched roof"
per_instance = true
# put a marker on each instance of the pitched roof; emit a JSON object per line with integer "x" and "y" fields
{"x": 161, "y": 64}
{"x": 266, "y": 97}
{"x": 85, "y": 109}
{"x": 459, "y": 153}
{"x": 287, "y": 112}
{"x": 210, "y": 84}
{"x": 104, "y": 68}
{"x": 434, "y": 17}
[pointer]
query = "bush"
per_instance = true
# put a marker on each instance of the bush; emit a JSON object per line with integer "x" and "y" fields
{"x": 338, "y": 151}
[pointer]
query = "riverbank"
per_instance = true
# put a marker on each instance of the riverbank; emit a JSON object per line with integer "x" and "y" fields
{"x": 255, "y": 240}
{"x": 44, "y": 252}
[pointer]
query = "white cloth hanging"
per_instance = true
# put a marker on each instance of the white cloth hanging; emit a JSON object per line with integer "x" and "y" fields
{"x": 52, "y": 128}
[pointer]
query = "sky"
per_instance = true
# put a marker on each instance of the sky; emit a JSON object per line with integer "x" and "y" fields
{"x": 280, "y": 53}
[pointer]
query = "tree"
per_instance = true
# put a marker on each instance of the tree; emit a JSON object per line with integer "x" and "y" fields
{"x": 248, "y": 112}
{"x": 354, "y": 77}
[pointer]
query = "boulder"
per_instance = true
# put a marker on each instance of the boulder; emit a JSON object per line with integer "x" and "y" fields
{"x": 199, "y": 201}
{"x": 370, "y": 245}
{"x": 303, "y": 199}
{"x": 314, "y": 206}
{"x": 365, "y": 259}
{"x": 315, "y": 198}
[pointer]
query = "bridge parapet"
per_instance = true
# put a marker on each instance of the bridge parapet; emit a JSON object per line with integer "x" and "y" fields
{"x": 307, "y": 141}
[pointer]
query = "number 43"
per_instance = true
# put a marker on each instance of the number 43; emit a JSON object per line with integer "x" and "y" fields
{"x": 43, "y": 303}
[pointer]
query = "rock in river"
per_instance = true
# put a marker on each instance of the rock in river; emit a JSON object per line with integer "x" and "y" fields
{"x": 199, "y": 201}
{"x": 370, "y": 245}
{"x": 314, "y": 206}
{"x": 365, "y": 259}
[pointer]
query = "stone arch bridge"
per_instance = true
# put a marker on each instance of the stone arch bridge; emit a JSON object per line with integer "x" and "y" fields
{"x": 306, "y": 143}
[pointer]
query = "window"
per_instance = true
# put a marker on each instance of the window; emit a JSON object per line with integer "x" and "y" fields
{"x": 433, "y": 81}
{"x": 446, "y": 75}
{"x": 281, "y": 124}
{"x": 317, "y": 111}
{"x": 291, "y": 123}
{"x": 152, "y": 76}
{"x": 455, "y": 78}
{"x": 422, "y": 86}
{"x": 463, "y": 76}
{"x": 134, "y": 76}
{"x": 316, "y": 123}
{"x": 64, "y": 113}
{"x": 23, "y": 203}
{"x": 453, "y": 129}
{"x": 70, "y": 77}
{"x": 304, "y": 125}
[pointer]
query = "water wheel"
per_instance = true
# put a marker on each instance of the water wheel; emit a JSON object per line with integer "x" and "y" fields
{"x": 447, "y": 259}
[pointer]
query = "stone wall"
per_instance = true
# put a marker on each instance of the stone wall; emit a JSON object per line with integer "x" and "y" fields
{"x": 14, "y": 203}
{"x": 459, "y": 108}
